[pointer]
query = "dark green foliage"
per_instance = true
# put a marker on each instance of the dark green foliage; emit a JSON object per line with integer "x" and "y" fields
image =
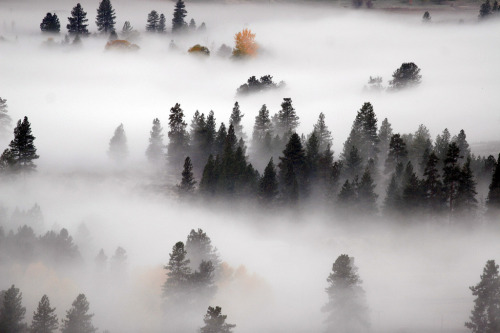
{"x": 441, "y": 146}
{"x": 215, "y": 322}
{"x": 268, "y": 185}
{"x": 178, "y": 274}
{"x": 485, "y": 10}
{"x": 12, "y": 314}
{"x": 255, "y": 85}
{"x": 346, "y": 307}
{"x": 451, "y": 175}
{"x": 155, "y": 151}
{"x": 421, "y": 141}
{"x": 408, "y": 75}
{"x": 485, "y": 317}
{"x": 208, "y": 183}
{"x": 162, "y": 24}
{"x": 235, "y": 120}
{"x": 493, "y": 202}
{"x": 178, "y": 23}
{"x": 178, "y": 137}
{"x": 50, "y": 23}
{"x": 153, "y": 21}
{"x": 118, "y": 150}
{"x": 367, "y": 199}
{"x": 105, "y": 19}
{"x": 384, "y": 137}
{"x": 293, "y": 170}
{"x": 44, "y": 318}
{"x": 397, "y": 153}
{"x": 78, "y": 320}
{"x": 287, "y": 120}
{"x": 192, "y": 25}
{"x": 77, "y": 22}
{"x": 186, "y": 187}
{"x": 22, "y": 148}
{"x": 426, "y": 17}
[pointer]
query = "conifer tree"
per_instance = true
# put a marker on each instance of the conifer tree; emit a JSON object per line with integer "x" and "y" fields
{"x": 155, "y": 151}
{"x": 412, "y": 196}
{"x": 178, "y": 23}
{"x": 105, "y": 19}
{"x": 293, "y": 170}
{"x": 466, "y": 201}
{"x": 44, "y": 318}
{"x": 287, "y": 119}
{"x": 434, "y": 199}
{"x": 178, "y": 274}
{"x": 187, "y": 183}
{"x": 220, "y": 139}
{"x": 215, "y": 322}
{"x": 12, "y": 312}
{"x": 268, "y": 185}
{"x": 485, "y": 9}
{"x": 312, "y": 157}
{"x": 420, "y": 143}
{"x": 118, "y": 150}
{"x": 451, "y": 175}
{"x": 367, "y": 198}
{"x": 153, "y": 21}
{"x": 347, "y": 195}
{"x": 262, "y": 130}
{"x": 397, "y": 153}
{"x": 235, "y": 120}
{"x": 178, "y": 136}
{"x": 322, "y": 132}
{"x": 393, "y": 198}
{"x": 209, "y": 178}
{"x": 384, "y": 137}
{"x": 77, "y": 22}
{"x": 127, "y": 29}
{"x": 78, "y": 320}
{"x": 485, "y": 317}
{"x": 50, "y": 23}
{"x": 408, "y": 75}
{"x": 162, "y": 24}
{"x": 346, "y": 307}
{"x": 493, "y": 202}
{"x": 22, "y": 148}
{"x": 5, "y": 119}
{"x": 353, "y": 163}
{"x": 199, "y": 248}
{"x": 192, "y": 25}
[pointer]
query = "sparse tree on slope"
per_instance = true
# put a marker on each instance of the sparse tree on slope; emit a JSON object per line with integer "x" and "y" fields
{"x": 44, "y": 318}
{"x": 268, "y": 185}
{"x": 153, "y": 21}
{"x": 118, "y": 149}
{"x": 235, "y": 120}
{"x": 287, "y": 120}
{"x": 78, "y": 320}
{"x": 485, "y": 317}
{"x": 12, "y": 312}
{"x": 178, "y": 274}
{"x": 105, "y": 19}
{"x": 408, "y": 75}
{"x": 77, "y": 21}
{"x": 215, "y": 322}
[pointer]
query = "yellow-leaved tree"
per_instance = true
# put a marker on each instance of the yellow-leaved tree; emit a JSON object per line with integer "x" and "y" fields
{"x": 245, "y": 44}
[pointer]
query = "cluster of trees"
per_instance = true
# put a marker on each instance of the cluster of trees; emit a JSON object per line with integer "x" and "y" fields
{"x": 406, "y": 76}
{"x": 256, "y": 85}
{"x": 487, "y": 10}
{"x": 12, "y": 313}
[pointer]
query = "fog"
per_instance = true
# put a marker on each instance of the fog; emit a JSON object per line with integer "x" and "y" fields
{"x": 416, "y": 277}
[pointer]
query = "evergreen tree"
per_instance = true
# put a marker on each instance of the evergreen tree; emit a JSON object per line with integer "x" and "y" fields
{"x": 118, "y": 150}
{"x": 293, "y": 170}
{"x": 353, "y": 163}
{"x": 12, "y": 312}
{"x": 384, "y": 137}
{"x": 393, "y": 198}
{"x": 220, "y": 139}
{"x": 215, "y": 322}
{"x": 156, "y": 147}
{"x": 105, "y": 19}
{"x": 434, "y": 199}
{"x": 463, "y": 145}
{"x": 451, "y": 175}
{"x": 22, "y": 149}
{"x": 262, "y": 131}
{"x": 192, "y": 25}
{"x": 346, "y": 307}
{"x": 5, "y": 119}
{"x": 485, "y": 9}
{"x": 127, "y": 29}
{"x": 426, "y": 17}
{"x": 312, "y": 157}
{"x": 347, "y": 195}
{"x": 178, "y": 136}
{"x": 287, "y": 119}
{"x": 187, "y": 183}
{"x": 466, "y": 201}
{"x": 235, "y": 120}
{"x": 268, "y": 185}
{"x": 178, "y": 23}
{"x": 441, "y": 146}
{"x": 485, "y": 317}
{"x": 367, "y": 199}
{"x": 493, "y": 202}
{"x": 162, "y": 24}
{"x": 50, "y": 23}
{"x": 178, "y": 274}
{"x": 44, "y": 318}
{"x": 322, "y": 132}
{"x": 199, "y": 249}
{"x": 153, "y": 21}
{"x": 397, "y": 153}
{"x": 408, "y": 75}
{"x": 209, "y": 178}
{"x": 78, "y": 320}
{"x": 7, "y": 162}
{"x": 77, "y": 25}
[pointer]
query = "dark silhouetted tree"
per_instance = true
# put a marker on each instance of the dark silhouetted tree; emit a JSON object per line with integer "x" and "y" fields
{"x": 434, "y": 199}
{"x": 153, "y": 21}
{"x": 493, "y": 202}
{"x": 287, "y": 120}
{"x": 466, "y": 202}
{"x": 78, "y": 320}
{"x": 12, "y": 314}
{"x": 50, "y": 23}
{"x": 408, "y": 75}
{"x": 178, "y": 136}
{"x": 346, "y": 307}
{"x": 384, "y": 137}
{"x": 77, "y": 22}
{"x": 5, "y": 119}
{"x": 268, "y": 185}
{"x": 463, "y": 145}
{"x": 188, "y": 183}
{"x": 485, "y": 317}
{"x": 105, "y": 19}
{"x": 118, "y": 150}
{"x": 293, "y": 170}
{"x": 156, "y": 149}
{"x": 22, "y": 148}
{"x": 192, "y": 25}
{"x": 162, "y": 24}
{"x": 235, "y": 120}
{"x": 397, "y": 153}
{"x": 367, "y": 198}
{"x": 215, "y": 322}
{"x": 44, "y": 318}
{"x": 178, "y": 23}
{"x": 322, "y": 132}
{"x": 127, "y": 29}
{"x": 485, "y": 9}
{"x": 441, "y": 146}
{"x": 208, "y": 182}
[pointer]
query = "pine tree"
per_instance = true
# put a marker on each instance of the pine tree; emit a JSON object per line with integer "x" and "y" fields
{"x": 408, "y": 75}
{"x": 493, "y": 202}
{"x": 127, "y": 29}
{"x": 466, "y": 202}
{"x": 209, "y": 179}
{"x": 434, "y": 199}
{"x": 156, "y": 148}
{"x": 118, "y": 150}
{"x": 153, "y": 21}
{"x": 262, "y": 131}
{"x": 441, "y": 146}
{"x": 426, "y": 17}
{"x": 235, "y": 120}
{"x": 5, "y": 119}
{"x": 215, "y": 322}
{"x": 77, "y": 21}
{"x": 322, "y": 132}
{"x": 397, "y": 153}
{"x": 22, "y": 149}
{"x": 192, "y": 25}
{"x": 178, "y": 136}
{"x": 162, "y": 24}
{"x": 420, "y": 143}
{"x": 346, "y": 307}
{"x": 50, "y": 23}
{"x": 347, "y": 195}
{"x": 105, "y": 19}
{"x": 220, "y": 139}
{"x": 178, "y": 274}
{"x": 485, "y": 9}
{"x": 367, "y": 198}
{"x": 384, "y": 137}
{"x": 293, "y": 170}
{"x": 268, "y": 185}
{"x": 451, "y": 175}
{"x": 463, "y": 145}
{"x": 393, "y": 198}
{"x": 485, "y": 317}
{"x": 187, "y": 184}
{"x": 78, "y": 320}
{"x": 287, "y": 120}
{"x": 12, "y": 312}
{"x": 199, "y": 249}
{"x": 44, "y": 318}
{"x": 178, "y": 23}
{"x": 412, "y": 196}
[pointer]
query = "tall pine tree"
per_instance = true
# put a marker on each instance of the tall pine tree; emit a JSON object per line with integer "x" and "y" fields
{"x": 77, "y": 22}
{"x": 493, "y": 202}
{"x": 78, "y": 320}
{"x": 44, "y": 318}
{"x": 105, "y": 19}
{"x": 178, "y": 23}
{"x": 12, "y": 312}
{"x": 22, "y": 148}
{"x": 178, "y": 136}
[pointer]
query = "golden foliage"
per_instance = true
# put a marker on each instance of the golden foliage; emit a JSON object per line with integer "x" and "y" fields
{"x": 122, "y": 45}
{"x": 199, "y": 49}
{"x": 245, "y": 44}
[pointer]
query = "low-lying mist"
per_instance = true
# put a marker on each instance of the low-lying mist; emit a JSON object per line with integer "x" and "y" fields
{"x": 275, "y": 262}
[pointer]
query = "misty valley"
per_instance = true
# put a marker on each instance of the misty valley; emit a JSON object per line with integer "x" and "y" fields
{"x": 225, "y": 167}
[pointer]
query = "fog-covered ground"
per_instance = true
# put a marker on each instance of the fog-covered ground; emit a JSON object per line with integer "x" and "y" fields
{"x": 416, "y": 277}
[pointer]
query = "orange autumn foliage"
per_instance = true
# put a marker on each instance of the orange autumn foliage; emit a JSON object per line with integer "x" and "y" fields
{"x": 245, "y": 44}
{"x": 121, "y": 45}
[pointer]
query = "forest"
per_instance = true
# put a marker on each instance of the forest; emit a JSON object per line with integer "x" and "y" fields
{"x": 182, "y": 167}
